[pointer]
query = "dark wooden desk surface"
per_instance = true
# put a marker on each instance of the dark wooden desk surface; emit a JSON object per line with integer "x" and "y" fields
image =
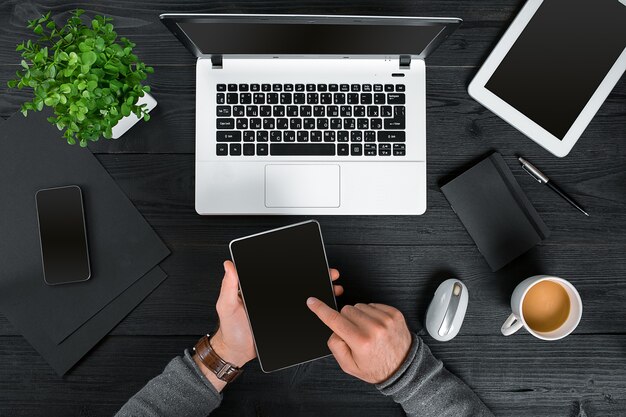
{"x": 395, "y": 260}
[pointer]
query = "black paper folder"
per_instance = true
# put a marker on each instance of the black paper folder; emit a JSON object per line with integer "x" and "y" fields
{"x": 495, "y": 211}
{"x": 122, "y": 245}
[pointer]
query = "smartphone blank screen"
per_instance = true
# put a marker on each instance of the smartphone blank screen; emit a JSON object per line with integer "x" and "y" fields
{"x": 278, "y": 270}
{"x": 62, "y": 234}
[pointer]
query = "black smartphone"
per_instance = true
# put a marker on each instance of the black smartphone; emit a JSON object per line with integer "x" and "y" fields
{"x": 278, "y": 270}
{"x": 63, "y": 235}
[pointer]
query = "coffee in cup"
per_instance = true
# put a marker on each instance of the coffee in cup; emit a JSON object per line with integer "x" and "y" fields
{"x": 549, "y": 307}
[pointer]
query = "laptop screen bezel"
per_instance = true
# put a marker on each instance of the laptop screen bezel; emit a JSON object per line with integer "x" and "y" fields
{"x": 172, "y": 20}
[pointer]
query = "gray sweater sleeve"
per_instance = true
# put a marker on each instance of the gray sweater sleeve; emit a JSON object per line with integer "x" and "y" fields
{"x": 423, "y": 387}
{"x": 181, "y": 390}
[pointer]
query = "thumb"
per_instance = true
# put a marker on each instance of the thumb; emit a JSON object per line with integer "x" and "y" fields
{"x": 229, "y": 293}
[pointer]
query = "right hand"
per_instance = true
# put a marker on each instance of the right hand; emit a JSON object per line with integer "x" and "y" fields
{"x": 369, "y": 341}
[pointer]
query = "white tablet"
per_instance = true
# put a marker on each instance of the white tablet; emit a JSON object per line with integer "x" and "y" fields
{"x": 554, "y": 67}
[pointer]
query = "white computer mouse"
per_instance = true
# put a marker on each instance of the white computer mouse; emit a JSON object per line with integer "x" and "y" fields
{"x": 446, "y": 311}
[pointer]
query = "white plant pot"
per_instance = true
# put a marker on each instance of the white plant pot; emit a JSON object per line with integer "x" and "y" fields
{"x": 127, "y": 122}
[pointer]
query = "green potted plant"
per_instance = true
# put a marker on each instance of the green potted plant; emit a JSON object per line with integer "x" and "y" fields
{"x": 89, "y": 77}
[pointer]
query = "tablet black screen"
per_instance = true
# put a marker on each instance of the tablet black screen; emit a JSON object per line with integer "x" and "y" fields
{"x": 278, "y": 271}
{"x": 560, "y": 59}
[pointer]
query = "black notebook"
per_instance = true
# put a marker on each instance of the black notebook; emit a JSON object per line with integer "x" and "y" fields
{"x": 495, "y": 211}
{"x": 122, "y": 245}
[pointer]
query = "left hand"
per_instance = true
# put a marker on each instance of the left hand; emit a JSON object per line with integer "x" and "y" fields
{"x": 233, "y": 340}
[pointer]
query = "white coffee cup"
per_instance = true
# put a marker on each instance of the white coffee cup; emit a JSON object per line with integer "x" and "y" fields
{"x": 516, "y": 319}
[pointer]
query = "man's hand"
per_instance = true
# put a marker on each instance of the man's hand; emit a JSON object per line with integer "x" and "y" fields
{"x": 233, "y": 340}
{"x": 370, "y": 341}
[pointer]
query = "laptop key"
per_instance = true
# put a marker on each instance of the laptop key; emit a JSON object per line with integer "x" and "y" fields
{"x": 359, "y": 111}
{"x": 268, "y": 123}
{"x": 346, "y": 111}
{"x": 329, "y": 136}
{"x": 221, "y": 149}
{"x": 288, "y": 87}
{"x": 255, "y": 87}
{"x": 332, "y": 111}
{"x": 386, "y": 111}
{"x": 289, "y": 136}
{"x": 372, "y": 111}
{"x": 326, "y": 98}
{"x": 295, "y": 123}
{"x": 316, "y": 136}
{"x": 225, "y": 123}
{"x": 232, "y": 87}
{"x": 252, "y": 111}
{"x": 343, "y": 149}
{"x": 242, "y": 123}
{"x": 370, "y": 149}
{"x": 394, "y": 123}
{"x": 370, "y": 136}
{"x": 276, "y": 136}
{"x": 379, "y": 98}
{"x": 339, "y": 98}
{"x": 299, "y": 87}
{"x": 362, "y": 123}
{"x": 292, "y": 111}
{"x": 356, "y": 149}
{"x": 248, "y": 149}
{"x": 356, "y": 136}
{"x": 395, "y": 98}
{"x": 349, "y": 123}
{"x": 277, "y": 87}
{"x": 223, "y": 111}
{"x": 400, "y": 87}
{"x": 366, "y": 98}
{"x": 319, "y": 111}
{"x": 302, "y": 136}
{"x": 312, "y": 98}
{"x": 384, "y": 136}
{"x": 302, "y": 149}
{"x": 322, "y": 123}
{"x": 265, "y": 111}
{"x": 238, "y": 111}
{"x": 299, "y": 98}
{"x": 220, "y": 98}
{"x": 310, "y": 87}
{"x": 235, "y": 149}
{"x": 255, "y": 123}
{"x": 367, "y": 88}
{"x": 335, "y": 123}
{"x": 261, "y": 149}
{"x": 399, "y": 149}
{"x": 322, "y": 87}
{"x": 306, "y": 111}
{"x": 232, "y": 98}
{"x": 272, "y": 98}
{"x": 353, "y": 98}
{"x": 278, "y": 111}
{"x": 333, "y": 87}
{"x": 258, "y": 98}
{"x": 248, "y": 136}
{"x": 282, "y": 123}
{"x": 355, "y": 87}
{"x": 221, "y": 87}
{"x": 378, "y": 87}
{"x": 266, "y": 87}
{"x": 244, "y": 87}
{"x": 344, "y": 87}
{"x": 228, "y": 136}
{"x": 285, "y": 98}
{"x": 389, "y": 87}
{"x": 261, "y": 136}
{"x": 376, "y": 123}
{"x": 342, "y": 136}
{"x": 309, "y": 123}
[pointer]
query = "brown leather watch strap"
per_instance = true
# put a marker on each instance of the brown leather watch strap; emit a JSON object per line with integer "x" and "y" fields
{"x": 225, "y": 371}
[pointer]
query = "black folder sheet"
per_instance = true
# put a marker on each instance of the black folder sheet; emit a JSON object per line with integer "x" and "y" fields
{"x": 495, "y": 211}
{"x": 122, "y": 245}
{"x": 63, "y": 356}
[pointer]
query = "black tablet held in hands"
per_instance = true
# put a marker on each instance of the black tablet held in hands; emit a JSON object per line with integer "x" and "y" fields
{"x": 278, "y": 270}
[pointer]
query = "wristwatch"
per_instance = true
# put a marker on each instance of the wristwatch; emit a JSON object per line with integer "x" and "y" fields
{"x": 223, "y": 370}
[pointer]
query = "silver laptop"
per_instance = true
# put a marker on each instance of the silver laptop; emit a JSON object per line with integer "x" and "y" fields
{"x": 310, "y": 114}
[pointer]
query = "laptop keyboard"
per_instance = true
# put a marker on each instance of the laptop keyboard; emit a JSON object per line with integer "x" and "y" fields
{"x": 311, "y": 120}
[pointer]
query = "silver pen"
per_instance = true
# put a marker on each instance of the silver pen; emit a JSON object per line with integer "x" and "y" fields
{"x": 543, "y": 179}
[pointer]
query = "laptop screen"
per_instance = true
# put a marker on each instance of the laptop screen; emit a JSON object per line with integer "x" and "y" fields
{"x": 308, "y": 35}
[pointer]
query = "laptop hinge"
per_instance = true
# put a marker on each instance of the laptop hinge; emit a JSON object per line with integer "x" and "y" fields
{"x": 216, "y": 61}
{"x": 405, "y": 62}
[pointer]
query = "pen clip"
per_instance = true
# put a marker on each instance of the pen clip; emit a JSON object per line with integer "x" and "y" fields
{"x": 532, "y": 174}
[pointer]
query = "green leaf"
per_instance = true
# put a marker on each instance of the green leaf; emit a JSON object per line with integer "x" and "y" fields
{"x": 38, "y": 30}
{"x": 49, "y": 101}
{"x": 125, "y": 109}
{"x": 91, "y": 85}
{"x": 65, "y": 88}
{"x": 24, "y": 64}
{"x": 88, "y": 58}
{"x": 146, "y": 117}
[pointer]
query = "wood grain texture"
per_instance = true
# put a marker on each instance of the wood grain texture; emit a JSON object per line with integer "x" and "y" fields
{"x": 510, "y": 376}
{"x": 397, "y": 260}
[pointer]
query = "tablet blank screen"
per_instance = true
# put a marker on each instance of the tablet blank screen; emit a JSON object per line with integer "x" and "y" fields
{"x": 278, "y": 271}
{"x": 560, "y": 59}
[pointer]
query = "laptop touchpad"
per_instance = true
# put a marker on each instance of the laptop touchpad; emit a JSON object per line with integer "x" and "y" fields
{"x": 289, "y": 185}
